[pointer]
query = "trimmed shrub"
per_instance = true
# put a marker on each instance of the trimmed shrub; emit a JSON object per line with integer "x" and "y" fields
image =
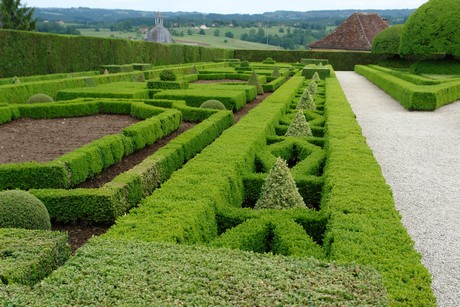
{"x": 194, "y": 70}
{"x": 20, "y": 209}
{"x": 323, "y": 71}
{"x": 168, "y": 75}
{"x": 38, "y": 98}
{"x": 315, "y": 77}
{"x": 254, "y": 80}
{"x": 387, "y": 41}
{"x": 140, "y": 78}
{"x": 15, "y": 80}
{"x": 279, "y": 190}
{"x": 432, "y": 29}
{"x": 436, "y": 67}
{"x": 213, "y": 104}
{"x": 312, "y": 87}
{"x": 299, "y": 126}
{"x": 306, "y": 101}
{"x": 276, "y": 73}
{"x": 269, "y": 60}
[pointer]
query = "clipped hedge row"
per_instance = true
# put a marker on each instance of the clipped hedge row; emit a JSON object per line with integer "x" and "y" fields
{"x": 364, "y": 226}
{"x": 323, "y": 72}
{"x": 138, "y": 274}
{"x": 340, "y": 60}
{"x": 233, "y": 100}
{"x": 9, "y": 81}
{"x": 130, "y": 90}
{"x": 75, "y": 167}
{"x": 411, "y": 96}
{"x": 274, "y": 84}
{"x": 31, "y": 53}
{"x": 115, "y": 198}
{"x": 183, "y": 209}
{"x": 27, "y": 256}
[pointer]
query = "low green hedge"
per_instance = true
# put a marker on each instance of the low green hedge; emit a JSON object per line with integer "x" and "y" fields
{"x": 115, "y": 198}
{"x": 233, "y": 100}
{"x": 28, "y": 256}
{"x": 364, "y": 226}
{"x": 168, "y": 85}
{"x": 132, "y": 90}
{"x": 315, "y": 61}
{"x": 309, "y": 71}
{"x": 250, "y": 90}
{"x": 274, "y": 84}
{"x": 138, "y": 274}
{"x": 113, "y": 69}
{"x": 8, "y": 81}
{"x": 75, "y": 167}
{"x": 413, "y": 97}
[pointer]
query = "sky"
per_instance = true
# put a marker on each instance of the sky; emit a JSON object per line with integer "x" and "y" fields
{"x": 229, "y": 6}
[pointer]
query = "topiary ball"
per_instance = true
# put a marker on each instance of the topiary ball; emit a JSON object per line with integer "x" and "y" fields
{"x": 168, "y": 75}
{"x": 213, "y": 104}
{"x": 20, "y": 209}
{"x": 39, "y": 98}
{"x": 244, "y": 64}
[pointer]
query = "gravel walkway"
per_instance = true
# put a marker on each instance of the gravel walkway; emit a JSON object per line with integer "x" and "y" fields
{"x": 419, "y": 153}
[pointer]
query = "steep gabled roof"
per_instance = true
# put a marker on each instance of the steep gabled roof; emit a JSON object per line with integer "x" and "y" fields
{"x": 355, "y": 33}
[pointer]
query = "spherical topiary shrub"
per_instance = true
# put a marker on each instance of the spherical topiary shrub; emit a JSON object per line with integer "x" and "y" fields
{"x": 213, "y": 104}
{"x": 244, "y": 64}
{"x": 387, "y": 41}
{"x": 299, "y": 126}
{"x": 20, "y": 209}
{"x": 39, "y": 98}
{"x": 279, "y": 190}
{"x": 432, "y": 29}
{"x": 168, "y": 75}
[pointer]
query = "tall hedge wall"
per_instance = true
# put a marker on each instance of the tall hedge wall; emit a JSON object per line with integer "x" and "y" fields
{"x": 29, "y": 53}
{"x": 340, "y": 60}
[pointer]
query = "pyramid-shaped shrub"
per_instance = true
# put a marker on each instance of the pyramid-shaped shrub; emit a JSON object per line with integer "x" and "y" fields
{"x": 315, "y": 77}
{"x": 279, "y": 190}
{"x": 254, "y": 80}
{"x": 299, "y": 126}
{"x": 306, "y": 101}
{"x": 276, "y": 73}
{"x": 313, "y": 87}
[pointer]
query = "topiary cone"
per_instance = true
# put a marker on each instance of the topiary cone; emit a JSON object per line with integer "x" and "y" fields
{"x": 279, "y": 190}
{"x": 306, "y": 102}
{"x": 299, "y": 126}
{"x": 254, "y": 80}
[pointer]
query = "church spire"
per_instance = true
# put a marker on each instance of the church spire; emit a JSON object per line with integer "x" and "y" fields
{"x": 158, "y": 19}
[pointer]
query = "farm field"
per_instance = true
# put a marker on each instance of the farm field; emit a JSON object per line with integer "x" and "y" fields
{"x": 199, "y": 194}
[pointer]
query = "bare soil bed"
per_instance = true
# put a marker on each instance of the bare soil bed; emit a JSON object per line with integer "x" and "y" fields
{"x": 43, "y": 140}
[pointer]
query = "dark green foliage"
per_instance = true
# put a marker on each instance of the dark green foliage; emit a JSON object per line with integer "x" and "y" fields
{"x": 410, "y": 95}
{"x": 194, "y": 275}
{"x": 432, "y": 29}
{"x": 254, "y": 80}
{"x": 27, "y": 256}
{"x": 309, "y": 71}
{"x": 168, "y": 75}
{"x": 20, "y": 209}
{"x": 299, "y": 126}
{"x": 29, "y": 53}
{"x": 314, "y": 61}
{"x": 387, "y": 41}
{"x": 279, "y": 190}
{"x": 15, "y": 15}
{"x": 436, "y": 67}
{"x": 37, "y": 98}
{"x": 140, "y": 78}
{"x": 213, "y": 104}
{"x": 269, "y": 60}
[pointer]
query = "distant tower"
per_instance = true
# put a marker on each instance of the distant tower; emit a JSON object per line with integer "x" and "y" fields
{"x": 159, "y": 34}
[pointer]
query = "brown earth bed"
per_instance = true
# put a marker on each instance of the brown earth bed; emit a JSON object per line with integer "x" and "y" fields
{"x": 46, "y": 139}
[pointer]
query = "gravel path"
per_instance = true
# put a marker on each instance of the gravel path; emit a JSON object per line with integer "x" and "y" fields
{"x": 419, "y": 153}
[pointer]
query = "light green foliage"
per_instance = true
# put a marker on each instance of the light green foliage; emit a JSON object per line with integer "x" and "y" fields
{"x": 106, "y": 72}
{"x": 213, "y": 104}
{"x": 194, "y": 70}
{"x": 254, "y": 80}
{"x": 27, "y": 256}
{"x": 315, "y": 76}
{"x": 387, "y": 41}
{"x": 276, "y": 72}
{"x": 20, "y": 209}
{"x": 432, "y": 29}
{"x": 279, "y": 190}
{"x": 37, "y": 98}
{"x": 313, "y": 87}
{"x": 306, "y": 101}
{"x": 168, "y": 75}
{"x": 299, "y": 126}
{"x": 15, "y": 80}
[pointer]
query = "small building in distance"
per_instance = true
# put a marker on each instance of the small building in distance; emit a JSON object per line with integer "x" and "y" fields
{"x": 159, "y": 34}
{"x": 355, "y": 33}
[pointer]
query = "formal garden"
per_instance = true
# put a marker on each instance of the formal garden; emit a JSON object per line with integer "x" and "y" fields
{"x": 212, "y": 176}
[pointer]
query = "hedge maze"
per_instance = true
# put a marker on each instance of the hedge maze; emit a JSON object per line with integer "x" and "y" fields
{"x": 186, "y": 229}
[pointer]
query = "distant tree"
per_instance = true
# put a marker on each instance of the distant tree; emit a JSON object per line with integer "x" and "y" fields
{"x": 202, "y": 32}
{"x": 216, "y": 32}
{"x": 14, "y": 15}
{"x": 189, "y": 32}
{"x": 387, "y": 41}
{"x": 281, "y": 30}
{"x": 229, "y": 34}
{"x": 432, "y": 29}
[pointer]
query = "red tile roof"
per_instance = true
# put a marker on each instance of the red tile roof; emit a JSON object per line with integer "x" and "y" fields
{"x": 355, "y": 33}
